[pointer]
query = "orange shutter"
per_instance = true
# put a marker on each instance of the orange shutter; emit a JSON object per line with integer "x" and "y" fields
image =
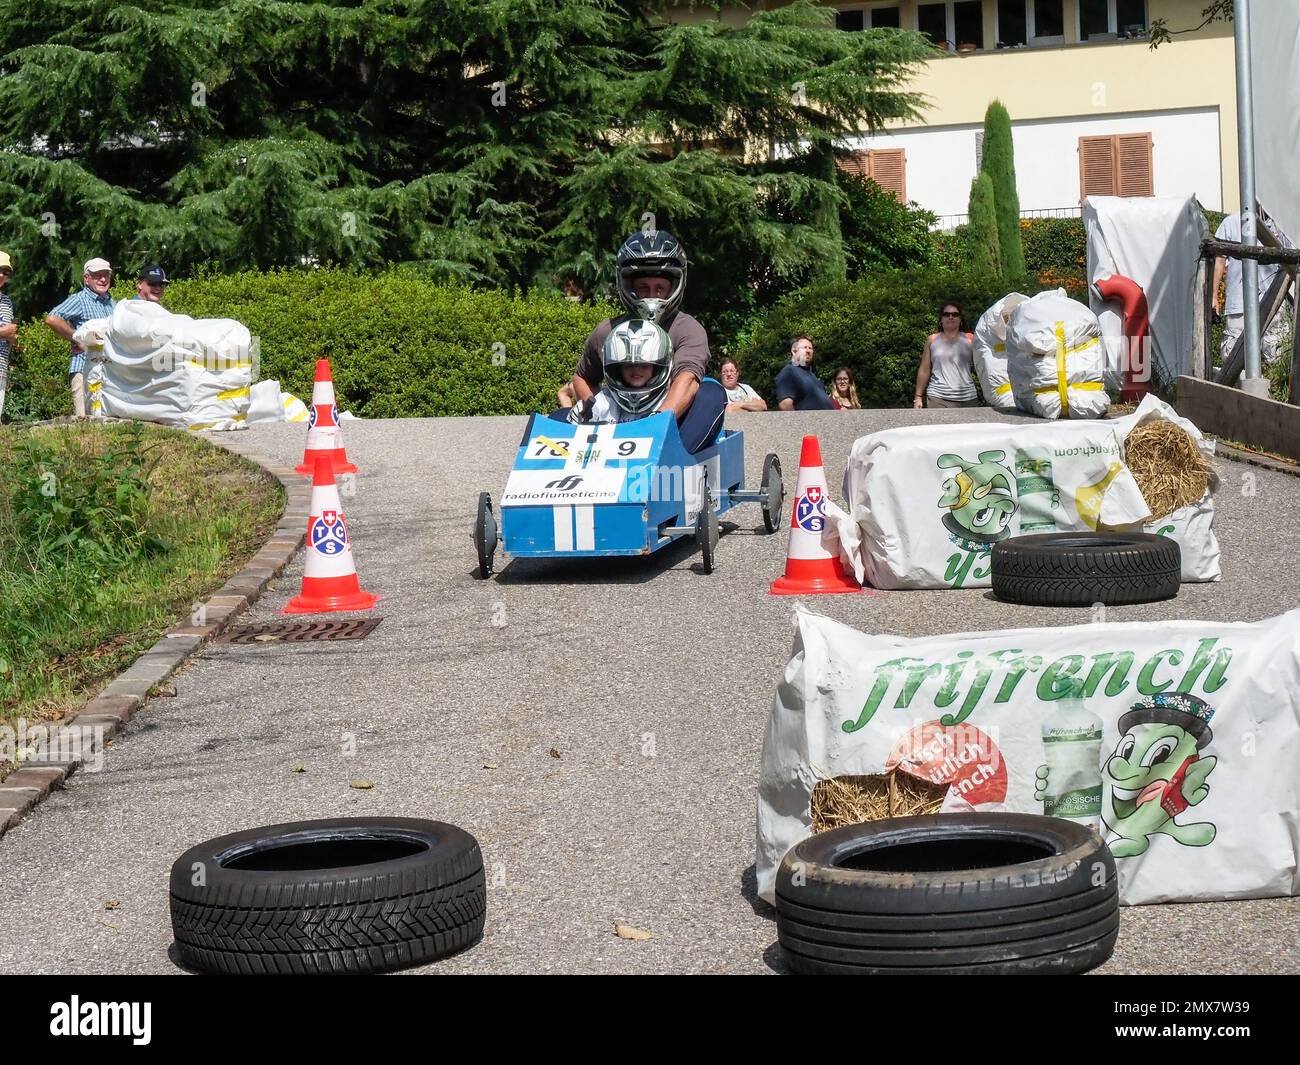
{"x": 1096, "y": 167}
{"x": 889, "y": 171}
{"x": 1133, "y": 164}
{"x": 1116, "y": 166}
{"x": 857, "y": 164}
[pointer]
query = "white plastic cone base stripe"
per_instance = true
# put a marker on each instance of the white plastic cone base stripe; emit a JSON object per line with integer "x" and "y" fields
{"x": 329, "y": 548}
{"x": 810, "y": 529}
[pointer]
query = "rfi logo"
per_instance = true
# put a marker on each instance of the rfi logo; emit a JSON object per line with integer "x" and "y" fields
{"x": 565, "y": 484}
{"x": 328, "y": 534}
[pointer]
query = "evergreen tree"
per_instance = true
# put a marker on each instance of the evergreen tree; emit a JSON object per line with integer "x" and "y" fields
{"x": 1000, "y": 165}
{"x": 984, "y": 255}
{"x": 511, "y": 142}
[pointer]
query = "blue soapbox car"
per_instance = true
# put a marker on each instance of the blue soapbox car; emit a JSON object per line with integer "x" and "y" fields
{"x": 619, "y": 489}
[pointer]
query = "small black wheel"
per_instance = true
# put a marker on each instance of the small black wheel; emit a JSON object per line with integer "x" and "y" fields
{"x": 706, "y": 528}
{"x": 485, "y": 535}
{"x": 773, "y": 493}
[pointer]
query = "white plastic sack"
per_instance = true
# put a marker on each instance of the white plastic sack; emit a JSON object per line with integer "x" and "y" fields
{"x": 925, "y": 504}
{"x": 151, "y": 364}
{"x": 990, "y": 346}
{"x": 1055, "y": 358}
{"x": 1156, "y": 242}
{"x": 1197, "y": 765}
{"x": 267, "y": 403}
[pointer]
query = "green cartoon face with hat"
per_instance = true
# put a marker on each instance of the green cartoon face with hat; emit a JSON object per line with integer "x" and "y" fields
{"x": 980, "y": 497}
{"x": 1156, "y": 772}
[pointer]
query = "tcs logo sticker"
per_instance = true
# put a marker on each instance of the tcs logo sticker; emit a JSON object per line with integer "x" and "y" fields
{"x": 808, "y": 513}
{"x": 327, "y": 534}
{"x": 327, "y": 413}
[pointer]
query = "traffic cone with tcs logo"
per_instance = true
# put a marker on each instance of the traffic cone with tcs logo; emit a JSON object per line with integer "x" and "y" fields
{"x": 811, "y": 569}
{"x": 324, "y": 433}
{"x": 329, "y": 579}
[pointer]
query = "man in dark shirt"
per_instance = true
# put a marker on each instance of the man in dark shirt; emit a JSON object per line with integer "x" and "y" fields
{"x": 797, "y": 387}
{"x": 651, "y": 276}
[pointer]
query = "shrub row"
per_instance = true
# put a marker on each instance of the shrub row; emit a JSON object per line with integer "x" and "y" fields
{"x": 400, "y": 345}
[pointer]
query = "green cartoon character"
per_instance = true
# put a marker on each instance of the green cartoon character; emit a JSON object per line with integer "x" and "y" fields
{"x": 980, "y": 497}
{"x": 1156, "y": 772}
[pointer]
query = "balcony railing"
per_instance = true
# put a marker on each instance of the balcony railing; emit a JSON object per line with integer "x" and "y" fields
{"x": 952, "y": 221}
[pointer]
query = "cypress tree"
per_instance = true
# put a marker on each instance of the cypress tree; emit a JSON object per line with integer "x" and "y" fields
{"x": 1000, "y": 165}
{"x": 984, "y": 253}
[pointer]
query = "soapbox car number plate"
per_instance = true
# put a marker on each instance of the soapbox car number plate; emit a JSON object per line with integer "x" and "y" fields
{"x": 580, "y": 450}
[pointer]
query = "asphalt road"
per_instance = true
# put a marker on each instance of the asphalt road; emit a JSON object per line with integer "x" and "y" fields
{"x": 597, "y": 726}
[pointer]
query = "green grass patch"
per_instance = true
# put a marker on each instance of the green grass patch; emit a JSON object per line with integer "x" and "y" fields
{"x": 108, "y": 535}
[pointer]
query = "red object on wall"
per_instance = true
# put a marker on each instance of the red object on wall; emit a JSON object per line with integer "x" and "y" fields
{"x": 1136, "y": 368}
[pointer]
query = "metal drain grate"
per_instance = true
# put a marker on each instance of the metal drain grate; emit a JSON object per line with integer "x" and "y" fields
{"x": 300, "y": 631}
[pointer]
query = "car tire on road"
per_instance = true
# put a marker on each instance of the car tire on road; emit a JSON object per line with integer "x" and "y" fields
{"x": 1079, "y": 569}
{"x": 954, "y": 893}
{"x": 348, "y": 895}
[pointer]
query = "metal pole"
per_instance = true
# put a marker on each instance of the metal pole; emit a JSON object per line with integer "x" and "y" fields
{"x": 1251, "y": 381}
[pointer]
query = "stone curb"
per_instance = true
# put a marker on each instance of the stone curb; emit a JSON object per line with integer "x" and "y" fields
{"x": 1253, "y": 458}
{"x": 81, "y": 737}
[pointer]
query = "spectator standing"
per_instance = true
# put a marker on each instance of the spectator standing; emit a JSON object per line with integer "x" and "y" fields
{"x": 946, "y": 376}
{"x": 797, "y": 387}
{"x": 844, "y": 393}
{"x": 90, "y": 301}
{"x": 1232, "y": 304}
{"x": 8, "y": 327}
{"x": 739, "y": 396}
{"x": 151, "y": 285}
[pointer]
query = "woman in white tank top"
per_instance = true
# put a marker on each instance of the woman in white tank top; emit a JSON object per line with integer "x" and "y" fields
{"x": 946, "y": 375}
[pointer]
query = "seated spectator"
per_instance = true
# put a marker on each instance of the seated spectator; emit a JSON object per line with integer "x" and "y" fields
{"x": 797, "y": 387}
{"x": 946, "y": 376}
{"x": 739, "y": 396}
{"x": 844, "y": 393}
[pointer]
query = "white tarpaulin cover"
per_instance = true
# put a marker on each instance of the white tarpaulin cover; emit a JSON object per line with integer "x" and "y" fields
{"x": 151, "y": 364}
{"x": 1155, "y": 241}
{"x": 1185, "y": 753}
{"x": 927, "y": 503}
{"x": 990, "y": 346}
{"x": 1055, "y": 358}
{"x": 1275, "y": 81}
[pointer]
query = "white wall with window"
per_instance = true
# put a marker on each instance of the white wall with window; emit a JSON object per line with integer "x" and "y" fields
{"x": 941, "y": 161}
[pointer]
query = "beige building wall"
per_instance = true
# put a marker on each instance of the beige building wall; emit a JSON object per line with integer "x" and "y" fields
{"x": 1077, "y": 79}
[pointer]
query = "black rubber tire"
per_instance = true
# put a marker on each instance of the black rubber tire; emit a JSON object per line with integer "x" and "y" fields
{"x": 1080, "y": 569}
{"x": 1073, "y": 960}
{"x": 949, "y": 893}
{"x": 1104, "y": 906}
{"x": 773, "y": 488}
{"x": 1074, "y": 861}
{"x": 485, "y": 535}
{"x": 991, "y": 920}
{"x": 707, "y": 529}
{"x": 413, "y": 891}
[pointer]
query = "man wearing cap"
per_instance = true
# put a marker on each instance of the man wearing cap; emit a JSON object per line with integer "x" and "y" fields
{"x": 8, "y": 328}
{"x": 151, "y": 284}
{"x": 90, "y": 301}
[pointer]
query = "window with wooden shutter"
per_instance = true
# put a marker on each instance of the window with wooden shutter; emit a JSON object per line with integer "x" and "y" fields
{"x": 1116, "y": 166}
{"x": 887, "y": 167}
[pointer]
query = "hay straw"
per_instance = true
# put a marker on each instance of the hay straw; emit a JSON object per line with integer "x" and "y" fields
{"x": 1167, "y": 465}
{"x": 850, "y": 800}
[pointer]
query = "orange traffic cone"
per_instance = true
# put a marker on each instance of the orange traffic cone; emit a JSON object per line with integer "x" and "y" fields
{"x": 810, "y": 568}
{"x": 329, "y": 579}
{"x": 324, "y": 433}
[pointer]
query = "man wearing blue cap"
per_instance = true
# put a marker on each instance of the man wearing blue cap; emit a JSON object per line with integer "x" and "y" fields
{"x": 151, "y": 284}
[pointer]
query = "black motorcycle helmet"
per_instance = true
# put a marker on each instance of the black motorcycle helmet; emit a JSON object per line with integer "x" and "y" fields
{"x": 657, "y": 253}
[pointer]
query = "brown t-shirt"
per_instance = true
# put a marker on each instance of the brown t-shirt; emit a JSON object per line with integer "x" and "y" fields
{"x": 690, "y": 349}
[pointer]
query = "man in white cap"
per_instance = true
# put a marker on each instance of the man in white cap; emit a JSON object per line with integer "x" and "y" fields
{"x": 90, "y": 301}
{"x": 8, "y": 328}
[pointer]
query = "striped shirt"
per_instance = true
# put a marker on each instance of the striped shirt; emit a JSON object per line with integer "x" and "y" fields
{"x": 6, "y": 317}
{"x": 77, "y": 310}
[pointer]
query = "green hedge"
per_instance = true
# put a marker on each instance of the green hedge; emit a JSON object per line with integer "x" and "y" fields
{"x": 876, "y": 327}
{"x": 399, "y": 344}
